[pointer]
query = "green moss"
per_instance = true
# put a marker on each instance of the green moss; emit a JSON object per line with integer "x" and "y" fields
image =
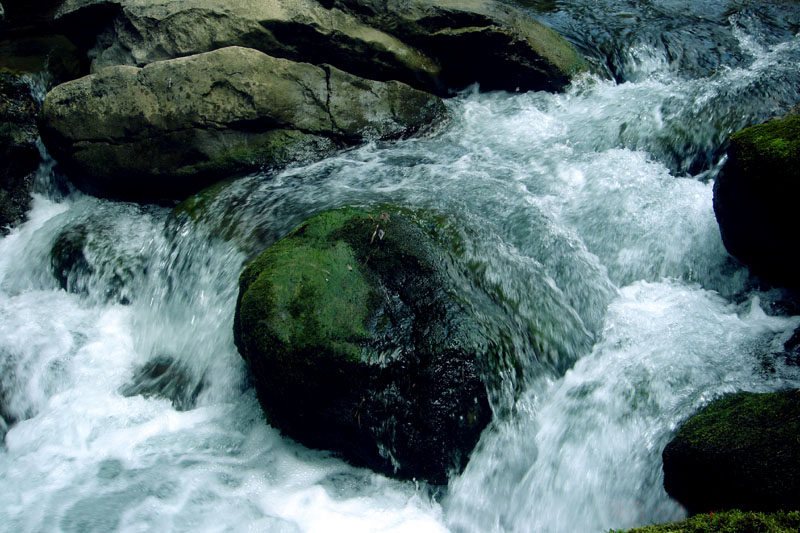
{"x": 740, "y": 452}
{"x": 730, "y": 522}
{"x": 308, "y": 291}
{"x": 747, "y": 420}
{"x": 776, "y": 143}
{"x": 196, "y": 206}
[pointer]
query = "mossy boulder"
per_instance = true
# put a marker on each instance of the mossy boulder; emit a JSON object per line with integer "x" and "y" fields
{"x": 18, "y": 151}
{"x": 729, "y": 522}
{"x": 358, "y": 343}
{"x": 169, "y": 129}
{"x": 740, "y": 452}
{"x": 756, "y": 198}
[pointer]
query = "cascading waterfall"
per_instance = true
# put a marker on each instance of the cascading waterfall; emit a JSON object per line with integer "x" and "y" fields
{"x": 588, "y": 214}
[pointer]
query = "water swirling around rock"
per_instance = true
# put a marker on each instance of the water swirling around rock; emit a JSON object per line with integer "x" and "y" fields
{"x": 592, "y": 208}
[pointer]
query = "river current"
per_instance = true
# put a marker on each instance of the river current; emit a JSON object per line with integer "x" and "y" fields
{"x": 588, "y": 214}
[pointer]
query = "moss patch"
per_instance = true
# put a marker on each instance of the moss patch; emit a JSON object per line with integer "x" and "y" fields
{"x": 742, "y": 451}
{"x": 729, "y": 522}
{"x": 308, "y": 291}
{"x": 357, "y": 344}
{"x": 774, "y": 143}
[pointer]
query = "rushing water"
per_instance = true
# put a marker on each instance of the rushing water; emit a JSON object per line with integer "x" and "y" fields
{"x": 586, "y": 214}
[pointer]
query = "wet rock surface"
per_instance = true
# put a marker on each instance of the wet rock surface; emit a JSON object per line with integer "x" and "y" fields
{"x": 359, "y": 343}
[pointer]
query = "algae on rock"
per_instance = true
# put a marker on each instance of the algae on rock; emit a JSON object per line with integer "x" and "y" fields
{"x": 358, "y": 343}
{"x": 756, "y": 197}
{"x": 740, "y": 452}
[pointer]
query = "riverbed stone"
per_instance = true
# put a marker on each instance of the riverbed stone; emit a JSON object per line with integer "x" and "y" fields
{"x": 168, "y": 129}
{"x": 92, "y": 257}
{"x": 358, "y": 343}
{"x": 436, "y": 46}
{"x": 18, "y": 151}
{"x": 139, "y": 32}
{"x": 476, "y": 41}
{"x": 740, "y": 452}
{"x": 756, "y": 197}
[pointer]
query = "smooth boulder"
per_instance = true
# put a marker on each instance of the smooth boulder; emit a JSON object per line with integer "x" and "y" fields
{"x": 740, "y": 452}
{"x": 169, "y": 129}
{"x": 756, "y": 197}
{"x": 358, "y": 342}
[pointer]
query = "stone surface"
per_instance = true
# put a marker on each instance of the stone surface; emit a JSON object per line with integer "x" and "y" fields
{"x": 756, "y": 197}
{"x": 18, "y": 151}
{"x": 437, "y": 46}
{"x": 139, "y": 32}
{"x": 358, "y": 343}
{"x": 740, "y": 452}
{"x": 481, "y": 41}
{"x": 173, "y": 127}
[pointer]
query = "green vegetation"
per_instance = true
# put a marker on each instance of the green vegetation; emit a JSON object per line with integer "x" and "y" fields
{"x": 775, "y": 143}
{"x": 729, "y": 522}
{"x": 307, "y": 293}
{"x": 741, "y": 452}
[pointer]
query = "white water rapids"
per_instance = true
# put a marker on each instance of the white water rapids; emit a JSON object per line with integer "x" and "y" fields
{"x": 584, "y": 209}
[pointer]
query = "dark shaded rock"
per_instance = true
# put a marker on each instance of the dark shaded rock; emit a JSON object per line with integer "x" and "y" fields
{"x": 169, "y": 129}
{"x": 31, "y": 41}
{"x": 163, "y": 377}
{"x": 18, "y": 151}
{"x": 483, "y": 41}
{"x": 740, "y": 452}
{"x": 358, "y": 342}
{"x": 756, "y": 197}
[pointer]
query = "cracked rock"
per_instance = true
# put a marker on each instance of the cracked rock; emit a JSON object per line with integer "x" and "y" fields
{"x": 164, "y": 131}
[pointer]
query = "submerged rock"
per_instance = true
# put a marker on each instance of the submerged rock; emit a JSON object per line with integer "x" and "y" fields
{"x": 740, "y": 452}
{"x": 166, "y": 130}
{"x": 95, "y": 259}
{"x": 756, "y": 197}
{"x": 358, "y": 342}
{"x": 164, "y": 377}
{"x": 18, "y": 151}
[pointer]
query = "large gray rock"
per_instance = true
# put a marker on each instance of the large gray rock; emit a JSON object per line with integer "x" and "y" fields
{"x": 433, "y": 45}
{"x": 172, "y": 127}
{"x": 144, "y": 31}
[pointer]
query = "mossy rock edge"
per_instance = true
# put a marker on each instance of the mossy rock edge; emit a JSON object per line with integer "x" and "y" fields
{"x": 756, "y": 196}
{"x": 357, "y": 343}
{"x": 741, "y": 452}
{"x": 733, "y": 521}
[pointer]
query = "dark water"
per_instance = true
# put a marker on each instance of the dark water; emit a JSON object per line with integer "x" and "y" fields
{"x": 586, "y": 216}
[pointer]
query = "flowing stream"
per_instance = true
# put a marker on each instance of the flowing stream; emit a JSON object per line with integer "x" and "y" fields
{"x": 587, "y": 215}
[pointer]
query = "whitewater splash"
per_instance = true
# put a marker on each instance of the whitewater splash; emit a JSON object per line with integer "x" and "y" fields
{"x": 591, "y": 208}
